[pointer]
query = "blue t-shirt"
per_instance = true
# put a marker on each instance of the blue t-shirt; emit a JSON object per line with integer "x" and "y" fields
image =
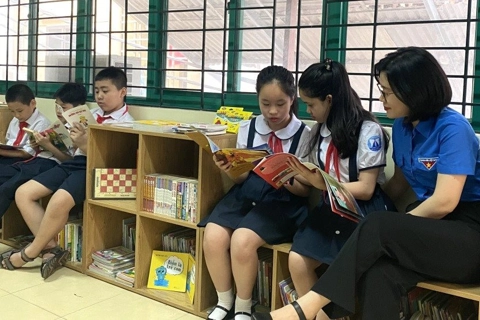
{"x": 446, "y": 144}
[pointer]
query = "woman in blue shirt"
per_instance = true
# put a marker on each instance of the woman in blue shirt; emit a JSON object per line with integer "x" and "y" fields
{"x": 436, "y": 152}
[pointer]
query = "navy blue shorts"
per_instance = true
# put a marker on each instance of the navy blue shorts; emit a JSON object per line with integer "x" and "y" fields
{"x": 13, "y": 176}
{"x": 70, "y": 176}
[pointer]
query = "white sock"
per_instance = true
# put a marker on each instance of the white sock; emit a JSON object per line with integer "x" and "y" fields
{"x": 243, "y": 306}
{"x": 225, "y": 299}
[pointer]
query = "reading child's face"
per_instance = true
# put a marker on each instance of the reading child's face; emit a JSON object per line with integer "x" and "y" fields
{"x": 275, "y": 105}
{"x": 316, "y": 108}
{"x": 61, "y": 107}
{"x": 22, "y": 111}
{"x": 108, "y": 97}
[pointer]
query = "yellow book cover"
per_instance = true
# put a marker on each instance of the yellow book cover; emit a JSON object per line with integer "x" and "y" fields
{"x": 231, "y": 117}
{"x": 168, "y": 271}
{"x": 191, "y": 278}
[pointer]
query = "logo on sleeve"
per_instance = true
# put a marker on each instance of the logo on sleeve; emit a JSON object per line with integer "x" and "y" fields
{"x": 374, "y": 143}
{"x": 428, "y": 163}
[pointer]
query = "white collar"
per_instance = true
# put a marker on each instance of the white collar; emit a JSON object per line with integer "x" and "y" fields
{"x": 117, "y": 114}
{"x": 262, "y": 128}
{"x": 324, "y": 131}
{"x": 32, "y": 118}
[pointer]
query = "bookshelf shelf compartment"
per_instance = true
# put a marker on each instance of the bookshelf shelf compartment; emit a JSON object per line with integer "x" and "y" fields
{"x": 151, "y": 152}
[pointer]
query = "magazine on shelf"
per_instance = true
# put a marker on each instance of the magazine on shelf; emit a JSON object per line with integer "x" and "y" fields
{"x": 242, "y": 160}
{"x": 58, "y": 134}
{"x": 275, "y": 170}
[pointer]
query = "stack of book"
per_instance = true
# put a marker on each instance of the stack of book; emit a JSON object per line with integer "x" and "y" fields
{"x": 126, "y": 277}
{"x": 154, "y": 125}
{"x": 179, "y": 240}
{"x": 109, "y": 262}
{"x": 129, "y": 231}
{"x": 70, "y": 238}
{"x": 170, "y": 195}
{"x": 208, "y": 129}
{"x": 263, "y": 288}
{"x": 287, "y": 291}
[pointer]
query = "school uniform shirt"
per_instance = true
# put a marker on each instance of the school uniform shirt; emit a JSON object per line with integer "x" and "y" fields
{"x": 370, "y": 154}
{"x": 120, "y": 115}
{"x": 37, "y": 122}
{"x": 263, "y": 132}
{"x": 446, "y": 144}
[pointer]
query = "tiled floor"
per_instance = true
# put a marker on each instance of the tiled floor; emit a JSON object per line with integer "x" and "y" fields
{"x": 74, "y": 296}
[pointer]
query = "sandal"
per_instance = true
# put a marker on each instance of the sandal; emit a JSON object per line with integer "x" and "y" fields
{"x": 7, "y": 263}
{"x": 52, "y": 264}
{"x": 267, "y": 316}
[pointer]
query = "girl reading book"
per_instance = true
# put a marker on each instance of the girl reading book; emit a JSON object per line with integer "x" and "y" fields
{"x": 253, "y": 213}
{"x": 436, "y": 153}
{"x": 350, "y": 145}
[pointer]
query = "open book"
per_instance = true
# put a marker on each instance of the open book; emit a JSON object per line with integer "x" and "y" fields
{"x": 80, "y": 114}
{"x": 58, "y": 134}
{"x": 242, "y": 160}
{"x": 274, "y": 170}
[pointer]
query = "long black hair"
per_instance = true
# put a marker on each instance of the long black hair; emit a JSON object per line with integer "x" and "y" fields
{"x": 417, "y": 79}
{"x": 346, "y": 113}
{"x": 284, "y": 79}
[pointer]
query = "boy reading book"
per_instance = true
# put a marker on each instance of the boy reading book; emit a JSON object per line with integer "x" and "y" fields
{"x": 66, "y": 182}
{"x": 45, "y": 154}
{"x": 21, "y": 102}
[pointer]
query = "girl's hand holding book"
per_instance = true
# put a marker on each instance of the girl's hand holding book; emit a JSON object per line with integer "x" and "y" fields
{"x": 312, "y": 176}
{"x": 222, "y": 163}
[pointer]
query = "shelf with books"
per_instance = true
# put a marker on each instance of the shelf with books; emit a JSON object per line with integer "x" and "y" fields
{"x": 151, "y": 153}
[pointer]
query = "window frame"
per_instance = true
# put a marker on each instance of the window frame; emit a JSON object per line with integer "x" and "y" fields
{"x": 333, "y": 44}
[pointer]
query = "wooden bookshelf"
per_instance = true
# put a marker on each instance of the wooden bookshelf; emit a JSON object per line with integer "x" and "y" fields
{"x": 151, "y": 152}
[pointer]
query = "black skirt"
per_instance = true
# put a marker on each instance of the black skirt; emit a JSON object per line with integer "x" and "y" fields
{"x": 273, "y": 214}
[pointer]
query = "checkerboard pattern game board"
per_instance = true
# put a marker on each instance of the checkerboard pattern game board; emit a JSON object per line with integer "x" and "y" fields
{"x": 115, "y": 183}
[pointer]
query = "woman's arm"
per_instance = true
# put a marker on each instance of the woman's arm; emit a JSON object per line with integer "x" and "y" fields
{"x": 444, "y": 199}
{"x": 397, "y": 185}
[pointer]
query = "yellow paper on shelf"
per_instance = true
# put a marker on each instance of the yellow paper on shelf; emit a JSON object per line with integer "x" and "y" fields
{"x": 231, "y": 117}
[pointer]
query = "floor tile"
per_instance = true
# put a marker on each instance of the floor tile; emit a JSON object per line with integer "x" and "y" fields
{"x": 68, "y": 291}
{"x": 129, "y": 305}
{"x": 13, "y": 307}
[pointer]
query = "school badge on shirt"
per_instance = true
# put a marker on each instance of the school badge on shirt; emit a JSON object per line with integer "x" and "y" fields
{"x": 374, "y": 143}
{"x": 428, "y": 163}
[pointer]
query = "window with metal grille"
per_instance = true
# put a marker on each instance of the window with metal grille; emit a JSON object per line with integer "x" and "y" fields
{"x": 202, "y": 54}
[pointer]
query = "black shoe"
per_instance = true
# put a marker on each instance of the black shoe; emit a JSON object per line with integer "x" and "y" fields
{"x": 261, "y": 316}
{"x": 267, "y": 316}
{"x": 229, "y": 314}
